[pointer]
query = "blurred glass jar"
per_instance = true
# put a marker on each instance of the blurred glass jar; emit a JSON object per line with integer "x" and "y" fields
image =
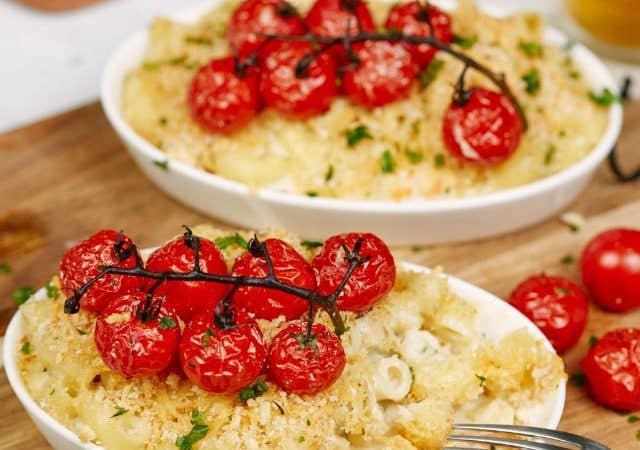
{"x": 615, "y": 22}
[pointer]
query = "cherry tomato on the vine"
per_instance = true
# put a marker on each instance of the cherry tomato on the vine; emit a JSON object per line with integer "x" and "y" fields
{"x": 485, "y": 130}
{"x": 254, "y": 17}
{"x": 384, "y": 72}
{"x": 221, "y": 98}
{"x": 289, "y": 267}
{"x": 132, "y": 347}
{"x": 222, "y": 361}
{"x": 293, "y": 92}
{"x": 188, "y": 297}
{"x": 556, "y": 305}
{"x": 368, "y": 283}
{"x": 417, "y": 19}
{"x": 612, "y": 369}
{"x": 82, "y": 262}
{"x": 305, "y": 368}
{"x": 611, "y": 269}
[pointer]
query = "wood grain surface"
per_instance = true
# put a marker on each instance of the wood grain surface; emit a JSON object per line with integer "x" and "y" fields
{"x": 66, "y": 177}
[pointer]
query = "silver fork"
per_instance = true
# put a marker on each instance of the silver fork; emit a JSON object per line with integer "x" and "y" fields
{"x": 577, "y": 442}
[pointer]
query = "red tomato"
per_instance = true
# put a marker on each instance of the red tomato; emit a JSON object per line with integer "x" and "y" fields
{"x": 301, "y": 369}
{"x": 132, "y": 347}
{"x": 82, "y": 262}
{"x": 289, "y": 267}
{"x": 417, "y": 19}
{"x": 612, "y": 369}
{"x": 368, "y": 283}
{"x": 252, "y": 17}
{"x": 556, "y": 305}
{"x": 485, "y": 130}
{"x": 611, "y": 269}
{"x": 220, "y": 100}
{"x": 294, "y": 94}
{"x": 188, "y": 297}
{"x": 222, "y": 361}
{"x": 385, "y": 72}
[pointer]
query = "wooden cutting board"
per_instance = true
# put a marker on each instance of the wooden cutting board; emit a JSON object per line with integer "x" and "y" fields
{"x": 66, "y": 177}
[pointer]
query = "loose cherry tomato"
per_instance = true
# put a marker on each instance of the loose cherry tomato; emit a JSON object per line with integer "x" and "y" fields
{"x": 289, "y": 267}
{"x": 253, "y": 17}
{"x": 188, "y": 297}
{"x": 611, "y": 269}
{"x": 292, "y": 92}
{"x": 368, "y": 283}
{"x": 82, "y": 262}
{"x": 556, "y": 305}
{"x": 485, "y": 130}
{"x": 417, "y": 19}
{"x": 385, "y": 72}
{"x": 221, "y": 99}
{"x": 612, "y": 369}
{"x": 222, "y": 361}
{"x": 132, "y": 347}
{"x": 305, "y": 368}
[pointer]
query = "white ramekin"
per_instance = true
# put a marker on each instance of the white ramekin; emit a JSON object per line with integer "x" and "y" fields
{"x": 398, "y": 223}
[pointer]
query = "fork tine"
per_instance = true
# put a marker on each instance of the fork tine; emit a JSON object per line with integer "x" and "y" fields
{"x": 515, "y": 443}
{"x": 562, "y": 436}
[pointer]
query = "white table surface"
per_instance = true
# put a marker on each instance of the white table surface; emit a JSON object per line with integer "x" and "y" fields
{"x": 52, "y": 61}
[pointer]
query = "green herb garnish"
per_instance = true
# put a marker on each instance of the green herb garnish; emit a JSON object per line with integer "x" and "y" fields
{"x": 531, "y": 49}
{"x": 197, "y": 432}
{"x": 578, "y": 379}
{"x": 481, "y": 379}
{"x": 532, "y": 81}
{"x": 429, "y": 74}
{"x": 301, "y": 439}
{"x": 329, "y": 174}
{"x": 254, "y": 391}
{"x": 311, "y": 194}
{"x": 21, "y": 295}
{"x": 414, "y": 156}
{"x": 26, "y": 348}
{"x": 357, "y": 134}
{"x": 549, "y": 155}
{"x": 633, "y": 419}
{"x": 311, "y": 244}
{"x": 164, "y": 165}
{"x": 605, "y": 98}
{"x": 464, "y": 42}
{"x": 5, "y": 267}
{"x": 120, "y": 411}
{"x": 593, "y": 340}
{"x": 206, "y": 336}
{"x": 567, "y": 260}
{"x": 200, "y": 40}
{"x": 386, "y": 162}
{"x": 438, "y": 160}
{"x": 167, "y": 323}
{"x": 233, "y": 239}
{"x": 163, "y": 120}
{"x": 52, "y": 290}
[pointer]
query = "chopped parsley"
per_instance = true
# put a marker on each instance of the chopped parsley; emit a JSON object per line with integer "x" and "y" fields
{"x": 464, "y": 42}
{"x": 26, "y": 348}
{"x": 206, "y": 336}
{"x": 438, "y": 160}
{"x": 155, "y": 65}
{"x": 416, "y": 248}
{"x": 578, "y": 379}
{"x": 5, "y": 267}
{"x": 329, "y": 174}
{"x": 166, "y": 323}
{"x": 197, "y": 432}
{"x": 593, "y": 340}
{"x": 164, "y": 165}
{"x": 567, "y": 260}
{"x": 574, "y": 74}
{"x": 21, "y": 295}
{"x": 311, "y": 244}
{"x": 481, "y": 379}
{"x": 414, "y": 156}
{"x": 254, "y": 391}
{"x": 301, "y": 439}
{"x": 387, "y": 163}
{"x": 163, "y": 120}
{"x": 199, "y": 40}
{"x": 119, "y": 411}
{"x": 52, "y": 290}
{"x": 532, "y": 81}
{"x": 190, "y": 65}
{"x": 605, "y": 98}
{"x": 531, "y": 49}
{"x": 311, "y": 194}
{"x": 562, "y": 291}
{"x": 233, "y": 239}
{"x": 633, "y": 419}
{"x": 357, "y": 134}
{"x": 308, "y": 423}
{"x": 549, "y": 155}
{"x": 429, "y": 74}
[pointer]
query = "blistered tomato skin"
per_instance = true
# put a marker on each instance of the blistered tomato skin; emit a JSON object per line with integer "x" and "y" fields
{"x": 222, "y": 361}
{"x": 134, "y": 348}
{"x": 297, "y": 95}
{"x": 289, "y": 267}
{"x": 486, "y": 130}
{"x": 612, "y": 369}
{"x": 305, "y": 370}
{"x": 332, "y": 18}
{"x": 416, "y": 19}
{"x": 385, "y": 72}
{"x": 188, "y": 297}
{"x": 610, "y": 267}
{"x": 368, "y": 283}
{"x": 220, "y": 100}
{"x": 82, "y": 262}
{"x": 556, "y": 305}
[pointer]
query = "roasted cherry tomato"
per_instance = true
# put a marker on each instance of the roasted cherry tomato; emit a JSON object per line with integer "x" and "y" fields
{"x": 253, "y": 17}
{"x": 222, "y": 361}
{"x": 294, "y": 92}
{"x": 305, "y": 368}
{"x": 418, "y": 19}
{"x": 222, "y": 98}
{"x": 556, "y": 305}
{"x": 485, "y": 130}
{"x": 289, "y": 267}
{"x": 612, "y": 369}
{"x": 131, "y": 346}
{"x": 82, "y": 262}
{"x": 188, "y": 297}
{"x": 384, "y": 72}
{"x": 368, "y": 283}
{"x": 611, "y": 269}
